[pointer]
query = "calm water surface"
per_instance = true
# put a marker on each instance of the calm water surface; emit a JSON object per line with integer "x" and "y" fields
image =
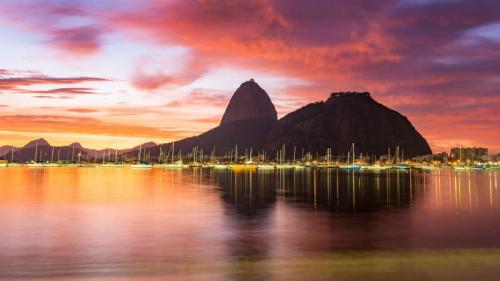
{"x": 201, "y": 224}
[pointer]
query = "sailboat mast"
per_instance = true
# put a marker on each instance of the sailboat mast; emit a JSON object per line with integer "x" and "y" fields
{"x": 36, "y": 151}
{"x": 353, "y": 154}
{"x": 139, "y": 155}
{"x": 173, "y": 150}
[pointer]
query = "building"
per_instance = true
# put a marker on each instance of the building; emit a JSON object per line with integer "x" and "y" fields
{"x": 469, "y": 154}
{"x": 495, "y": 158}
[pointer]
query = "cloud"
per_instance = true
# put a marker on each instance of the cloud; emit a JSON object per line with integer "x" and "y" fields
{"x": 214, "y": 120}
{"x": 18, "y": 85}
{"x": 77, "y": 125}
{"x": 82, "y": 110}
{"x": 82, "y": 40}
{"x": 200, "y": 98}
{"x": 68, "y": 27}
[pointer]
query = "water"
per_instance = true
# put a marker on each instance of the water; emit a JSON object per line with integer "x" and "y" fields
{"x": 201, "y": 224}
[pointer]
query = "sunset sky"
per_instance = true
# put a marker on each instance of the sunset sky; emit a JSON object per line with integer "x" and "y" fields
{"x": 117, "y": 73}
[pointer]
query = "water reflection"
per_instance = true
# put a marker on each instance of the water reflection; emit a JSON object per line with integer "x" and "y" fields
{"x": 233, "y": 225}
{"x": 334, "y": 190}
{"x": 252, "y": 193}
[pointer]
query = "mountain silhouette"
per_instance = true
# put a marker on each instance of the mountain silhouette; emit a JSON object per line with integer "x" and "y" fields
{"x": 249, "y": 102}
{"x": 346, "y": 118}
{"x": 37, "y": 142}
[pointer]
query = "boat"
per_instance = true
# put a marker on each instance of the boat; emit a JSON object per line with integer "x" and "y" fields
{"x": 424, "y": 167}
{"x": 142, "y": 166}
{"x": 195, "y": 164}
{"x": 351, "y": 166}
{"x": 376, "y": 167}
{"x": 176, "y": 165}
{"x": 219, "y": 166}
{"x": 462, "y": 168}
{"x": 284, "y": 166}
{"x": 242, "y": 167}
{"x": 298, "y": 166}
{"x": 265, "y": 167}
{"x": 139, "y": 164}
{"x": 401, "y": 166}
{"x": 36, "y": 165}
{"x": 112, "y": 165}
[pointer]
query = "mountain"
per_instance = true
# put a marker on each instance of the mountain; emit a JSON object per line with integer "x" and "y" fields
{"x": 76, "y": 145}
{"x": 248, "y": 118}
{"x": 343, "y": 119}
{"x": 37, "y": 142}
{"x": 110, "y": 152}
{"x": 6, "y": 149}
{"x": 47, "y": 152}
{"x": 250, "y": 122}
{"x": 249, "y": 101}
{"x": 246, "y": 134}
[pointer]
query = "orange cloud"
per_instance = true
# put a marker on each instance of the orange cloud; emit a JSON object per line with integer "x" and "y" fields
{"x": 80, "y": 125}
{"x": 82, "y": 110}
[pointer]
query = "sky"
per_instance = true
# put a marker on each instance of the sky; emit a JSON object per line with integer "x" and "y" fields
{"x": 121, "y": 72}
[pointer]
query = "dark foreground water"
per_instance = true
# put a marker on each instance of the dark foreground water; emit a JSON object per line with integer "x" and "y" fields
{"x": 126, "y": 224}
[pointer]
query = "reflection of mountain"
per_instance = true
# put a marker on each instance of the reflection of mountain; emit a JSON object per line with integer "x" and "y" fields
{"x": 252, "y": 194}
{"x": 249, "y": 202}
{"x": 341, "y": 191}
{"x": 352, "y": 209}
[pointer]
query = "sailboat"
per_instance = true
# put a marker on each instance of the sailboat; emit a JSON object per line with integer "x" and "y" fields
{"x": 139, "y": 164}
{"x": 236, "y": 165}
{"x": 399, "y": 165}
{"x": 196, "y": 158}
{"x": 214, "y": 163}
{"x": 173, "y": 164}
{"x": 51, "y": 163}
{"x": 264, "y": 165}
{"x": 35, "y": 163}
{"x": 351, "y": 166}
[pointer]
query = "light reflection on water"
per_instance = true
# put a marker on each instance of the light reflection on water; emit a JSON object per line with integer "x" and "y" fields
{"x": 199, "y": 224}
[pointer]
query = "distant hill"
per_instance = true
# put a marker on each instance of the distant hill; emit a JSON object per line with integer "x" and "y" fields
{"x": 7, "y": 149}
{"x": 46, "y": 152}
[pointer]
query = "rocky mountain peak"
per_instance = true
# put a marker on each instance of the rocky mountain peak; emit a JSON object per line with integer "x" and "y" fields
{"x": 249, "y": 101}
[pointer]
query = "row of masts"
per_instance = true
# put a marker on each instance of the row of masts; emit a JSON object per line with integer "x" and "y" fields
{"x": 38, "y": 157}
{"x": 197, "y": 155}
